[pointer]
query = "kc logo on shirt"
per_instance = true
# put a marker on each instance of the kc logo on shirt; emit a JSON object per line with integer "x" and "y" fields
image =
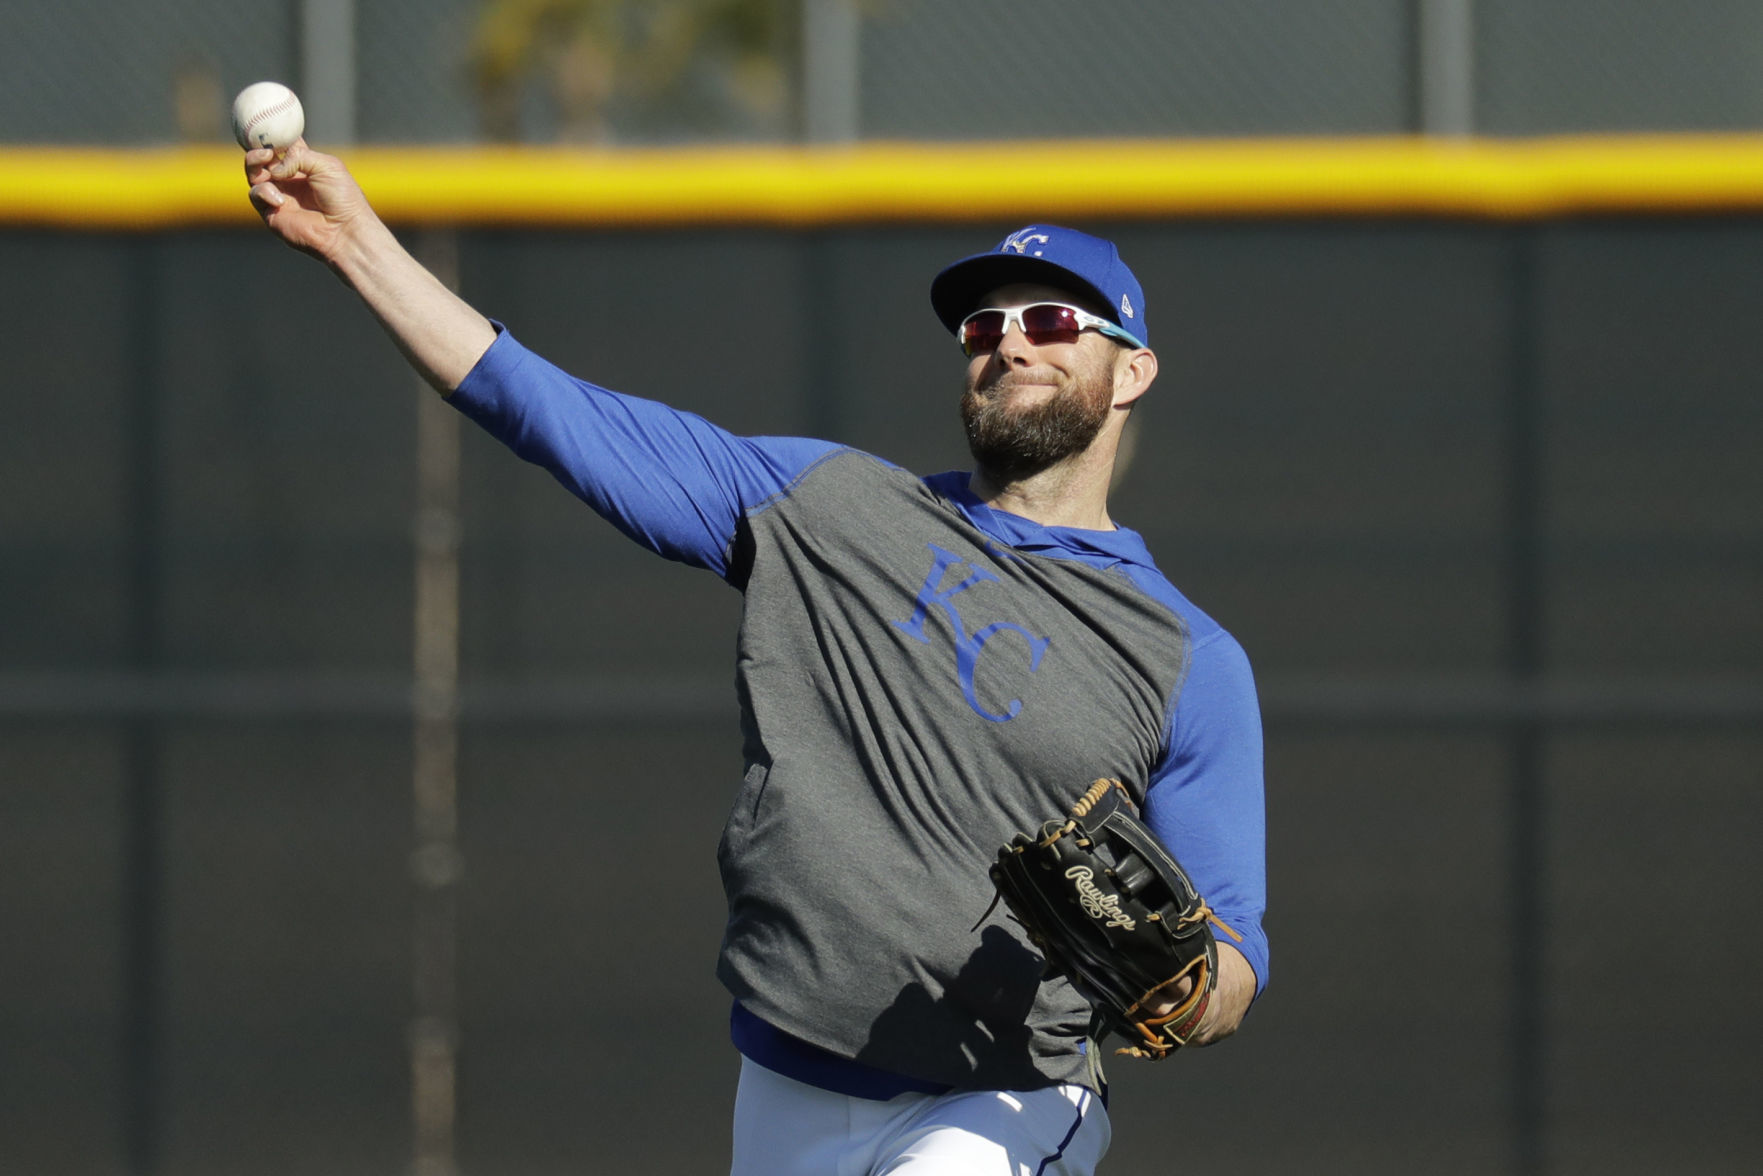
{"x": 968, "y": 646}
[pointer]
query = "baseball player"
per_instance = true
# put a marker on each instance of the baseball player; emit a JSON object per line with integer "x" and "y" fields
{"x": 926, "y": 665}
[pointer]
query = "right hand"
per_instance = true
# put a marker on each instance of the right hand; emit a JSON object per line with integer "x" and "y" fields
{"x": 307, "y": 198}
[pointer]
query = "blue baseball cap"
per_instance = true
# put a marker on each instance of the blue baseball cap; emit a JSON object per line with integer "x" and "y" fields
{"x": 1051, "y": 256}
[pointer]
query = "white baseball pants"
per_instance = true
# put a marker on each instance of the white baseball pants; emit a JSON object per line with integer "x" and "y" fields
{"x": 786, "y": 1128}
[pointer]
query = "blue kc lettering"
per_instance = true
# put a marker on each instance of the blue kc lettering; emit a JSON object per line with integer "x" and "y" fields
{"x": 968, "y": 646}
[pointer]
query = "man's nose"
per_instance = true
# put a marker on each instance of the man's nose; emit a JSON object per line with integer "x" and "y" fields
{"x": 1014, "y": 347}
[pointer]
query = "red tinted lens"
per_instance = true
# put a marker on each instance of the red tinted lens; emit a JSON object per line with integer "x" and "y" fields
{"x": 1043, "y": 323}
{"x": 1046, "y": 323}
{"x": 983, "y": 331}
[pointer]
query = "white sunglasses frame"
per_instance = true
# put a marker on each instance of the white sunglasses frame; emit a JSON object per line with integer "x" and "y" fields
{"x": 1013, "y": 315}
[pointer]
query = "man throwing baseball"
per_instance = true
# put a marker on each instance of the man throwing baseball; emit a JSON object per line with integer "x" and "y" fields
{"x": 926, "y": 667}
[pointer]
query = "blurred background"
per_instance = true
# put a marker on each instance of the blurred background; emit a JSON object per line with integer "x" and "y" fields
{"x": 359, "y": 789}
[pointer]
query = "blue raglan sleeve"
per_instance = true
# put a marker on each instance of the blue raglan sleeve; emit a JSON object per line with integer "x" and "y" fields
{"x": 1205, "y": 799}
{"x": 668, "y": 479}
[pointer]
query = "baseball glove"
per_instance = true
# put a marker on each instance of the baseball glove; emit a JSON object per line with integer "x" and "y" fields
{"x": 1112, "y": 911}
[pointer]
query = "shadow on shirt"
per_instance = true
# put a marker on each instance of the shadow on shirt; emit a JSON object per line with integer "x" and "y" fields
{"x": 975, "y": 1034}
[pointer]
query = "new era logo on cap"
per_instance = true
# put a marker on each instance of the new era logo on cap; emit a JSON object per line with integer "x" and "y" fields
{"x": 1048, "y": 255}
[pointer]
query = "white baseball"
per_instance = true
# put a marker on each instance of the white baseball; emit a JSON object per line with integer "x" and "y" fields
{"x": 267, "y": 114}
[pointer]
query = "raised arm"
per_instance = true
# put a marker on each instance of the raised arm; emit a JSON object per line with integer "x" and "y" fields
{"x": 310, "y": 201}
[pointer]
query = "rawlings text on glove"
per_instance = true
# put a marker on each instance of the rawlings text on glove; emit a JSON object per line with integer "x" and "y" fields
{"x": 1112, "y": 911}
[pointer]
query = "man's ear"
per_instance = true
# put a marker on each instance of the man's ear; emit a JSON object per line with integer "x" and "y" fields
{"x": 1133, "y": 374}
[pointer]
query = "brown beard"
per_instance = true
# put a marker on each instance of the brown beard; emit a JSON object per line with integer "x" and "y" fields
{"x": 1012, "y": 442}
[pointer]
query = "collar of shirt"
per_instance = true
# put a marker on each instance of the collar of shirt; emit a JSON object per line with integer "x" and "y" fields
{"x": 1097, "y": 548}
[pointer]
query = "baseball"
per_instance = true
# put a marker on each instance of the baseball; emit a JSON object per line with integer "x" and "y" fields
{"x": 267, "y": 114}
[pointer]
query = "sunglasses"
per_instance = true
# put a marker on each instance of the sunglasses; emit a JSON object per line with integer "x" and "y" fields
{"x": 1042, "y": 323}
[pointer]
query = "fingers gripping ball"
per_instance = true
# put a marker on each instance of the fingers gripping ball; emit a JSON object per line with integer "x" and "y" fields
{"x": 267, "y": 114}
{"x": 1118, "y": 917}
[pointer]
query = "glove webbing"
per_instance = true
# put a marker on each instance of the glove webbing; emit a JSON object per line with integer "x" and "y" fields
{"x": 1081, "y": 809}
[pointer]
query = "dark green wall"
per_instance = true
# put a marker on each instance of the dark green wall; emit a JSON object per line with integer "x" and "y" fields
{"x": 1484, "y": 503}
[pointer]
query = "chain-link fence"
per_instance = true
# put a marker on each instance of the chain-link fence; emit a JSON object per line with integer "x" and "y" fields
{"x": 156, "y": 71}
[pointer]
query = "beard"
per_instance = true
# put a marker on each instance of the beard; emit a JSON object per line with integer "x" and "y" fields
{"x": 1011, "y": 442}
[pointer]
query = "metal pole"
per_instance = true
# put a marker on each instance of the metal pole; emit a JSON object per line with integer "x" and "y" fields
{"x": 1445, "y": 67}
{"x": 1528, "y": 897}
{"x": 825, "y": 390}
{"x": 831, "y": 86}
{"x": 143, "y": 872}
{"x": 435, "y": 863}
{"x": 831, "y": 80}
{"x": 327, "y": 69}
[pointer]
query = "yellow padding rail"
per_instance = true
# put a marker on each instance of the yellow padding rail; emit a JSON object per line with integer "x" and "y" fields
{"x": 148, "y": 189}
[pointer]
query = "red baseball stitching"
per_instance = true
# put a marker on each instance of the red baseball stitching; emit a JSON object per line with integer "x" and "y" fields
{"x": 251, "y": 123}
